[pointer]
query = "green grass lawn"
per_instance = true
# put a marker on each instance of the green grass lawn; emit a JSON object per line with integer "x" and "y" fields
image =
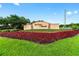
{"x": 45, "y": 30}
{"x": 65, "y": 47}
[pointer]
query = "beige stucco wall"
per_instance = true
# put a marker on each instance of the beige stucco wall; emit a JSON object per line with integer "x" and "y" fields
{"x": 27, "y": 27}
{"x": 54, "y": 26}
{"x": 40, "y": 25}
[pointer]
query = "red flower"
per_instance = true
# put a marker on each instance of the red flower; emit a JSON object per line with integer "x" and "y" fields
{"x": 40, "y": 37}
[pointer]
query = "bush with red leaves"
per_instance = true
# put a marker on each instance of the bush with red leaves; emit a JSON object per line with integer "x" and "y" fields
{"x": 40, "y": 37}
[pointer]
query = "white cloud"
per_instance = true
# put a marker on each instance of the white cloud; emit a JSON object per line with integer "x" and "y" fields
{"x": 75, "y": 12}
{"x": 69, "y": 12}
{"x": 16, "y": 4}
{"x": 0, "y": 6}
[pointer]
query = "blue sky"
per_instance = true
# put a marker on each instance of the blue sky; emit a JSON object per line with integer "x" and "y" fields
{"x": 49, "y": 12}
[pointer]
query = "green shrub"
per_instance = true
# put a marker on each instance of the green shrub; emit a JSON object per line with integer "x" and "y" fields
{"x": 74, "y": 26}
{"x": 4, "y": 30}
{"x": 9, "y": 30}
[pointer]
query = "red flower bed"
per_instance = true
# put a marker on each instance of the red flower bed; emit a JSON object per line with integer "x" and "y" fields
{"x": 40, "y": 37}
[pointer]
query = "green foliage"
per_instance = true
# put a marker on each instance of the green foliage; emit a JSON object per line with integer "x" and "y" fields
{"x": 14, "y": 47}
{"x": 14, "y": 21}
{"x": 44, "y": 30}
{"x": 75, "y": 26}
{"x": 17, "y": 22}
{"x": 72, "y": 26}
{"x": 9, "y": 30}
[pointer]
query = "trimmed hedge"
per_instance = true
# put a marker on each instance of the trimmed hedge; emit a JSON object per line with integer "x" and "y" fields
{"x": 9, "y": 30}
{"x": 40, "y": 37}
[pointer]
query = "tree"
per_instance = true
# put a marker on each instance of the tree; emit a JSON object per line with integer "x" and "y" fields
{"x": 14, "y": 21}
{"x": 1, "y": 20}
{"x": 3, "y": 23}
{"x": 74, "y": 26}
{"x": 17, "y": 22}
